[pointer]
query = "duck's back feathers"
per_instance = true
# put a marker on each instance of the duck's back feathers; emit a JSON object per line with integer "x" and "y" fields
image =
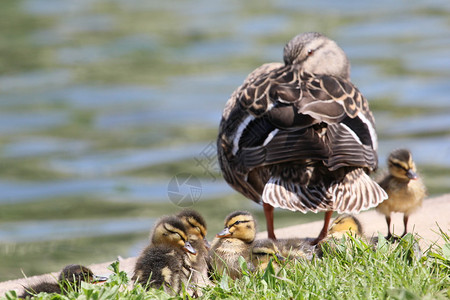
{"x": 302, "y": 125}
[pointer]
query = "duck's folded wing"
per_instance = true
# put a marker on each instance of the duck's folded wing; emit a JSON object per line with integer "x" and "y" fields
{"x": 308, "y": 118}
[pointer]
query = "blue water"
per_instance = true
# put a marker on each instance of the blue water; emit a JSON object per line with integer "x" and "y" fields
{"x": 400, "y": 51}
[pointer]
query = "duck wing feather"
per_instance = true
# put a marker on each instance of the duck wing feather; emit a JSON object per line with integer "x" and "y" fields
{"x": 283, "y": 116}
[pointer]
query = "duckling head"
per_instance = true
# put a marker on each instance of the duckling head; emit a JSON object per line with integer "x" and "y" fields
{"x": 195, "y": 225}
{"x": 240, "y": 225}
{"x": 75, "y": 274}
{"x": 171, "y": 231}
{"x": 345, "y": 224}
{"x": 263, "y": 250}
{"x": 401, "y": 165}
{"x": 317, "y": 54}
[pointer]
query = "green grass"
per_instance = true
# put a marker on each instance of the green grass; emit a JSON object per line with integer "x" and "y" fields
{"x": 350, "y": 269}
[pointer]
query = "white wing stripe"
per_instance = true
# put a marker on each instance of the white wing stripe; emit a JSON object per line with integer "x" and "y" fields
{"x": 239, "y": 132}
{"x": 373, "y": 134}
{"x": 352, "y": 133}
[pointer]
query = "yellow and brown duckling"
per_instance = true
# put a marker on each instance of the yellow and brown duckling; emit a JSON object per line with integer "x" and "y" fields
{"x": 404, "y": 187}
{"x": 264, "y": 251}
{"x": 196, "y": 229}
{"x": 235, "y": 240}
{"x": 300, "y": 135}
{"x": 70, "y": 278}
{"x": 345, "y": 224}
{"x": 165, "y": 261}
{"x": 341, "y": 228}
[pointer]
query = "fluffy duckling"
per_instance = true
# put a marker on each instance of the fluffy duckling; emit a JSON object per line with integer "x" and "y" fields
{"x": 164, "y": 262}
{"x": 296, "y": 248}
{"x": 302, "y": 249}
{"x": 301, "y": 136}
{"x": 263, "y": 251}
{"x": 235, "y": 240}
{"x": 405, "y": 189}
{"x": 339, "y": 230}
{"x": 70, "y": 277}
{"x": 345, "y": 224}
{"x": 196, "y": 229}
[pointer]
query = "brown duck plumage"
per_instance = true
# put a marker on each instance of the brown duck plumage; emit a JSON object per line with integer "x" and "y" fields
{"x": 300, "y": 135}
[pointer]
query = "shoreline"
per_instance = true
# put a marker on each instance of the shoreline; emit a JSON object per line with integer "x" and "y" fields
{"x": 425, "y": 222}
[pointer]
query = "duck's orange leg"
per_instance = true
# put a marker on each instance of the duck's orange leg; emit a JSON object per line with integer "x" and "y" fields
{"x": 324, "y": 231}
{"x": 268, "y": 212}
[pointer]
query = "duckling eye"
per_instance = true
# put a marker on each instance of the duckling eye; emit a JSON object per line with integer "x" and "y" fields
{"x": 398, "y": 166}
{"x": 237, "y": 222}
{"x": 310, "y": 52}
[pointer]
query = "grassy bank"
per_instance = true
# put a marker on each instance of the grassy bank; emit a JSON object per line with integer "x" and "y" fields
{"x": 350, "y": 270}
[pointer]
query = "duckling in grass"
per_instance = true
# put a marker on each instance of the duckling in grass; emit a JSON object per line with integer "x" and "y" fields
{"x": 345, "y": 224}
{"x": 235, "y": 240}
{"x": 263, "y": 251}
{"x": 165, "y": 261}
{"x": 404, "y": 187}
{"x": 70, "y": 278}
{"x": 296, "y": 248}
{"x": 196, "y": 228}
{"x": 339, "y": 231}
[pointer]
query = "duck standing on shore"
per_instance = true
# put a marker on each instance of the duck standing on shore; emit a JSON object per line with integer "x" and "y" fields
{"x": 404, "y": 187}
{"x": 301, "y": 136}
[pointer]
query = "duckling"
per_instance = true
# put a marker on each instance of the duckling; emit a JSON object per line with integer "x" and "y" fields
{"x": 340, "y": 228}
{"x": 263, "y": 251}
{"x": 404, "y": 187}
{"x": 196, "y": 229}
{"x": 345, "y": 224}
{"x": 164, "y": 262}
{"x": 235, "y": 240}
{"x": 296, "y": 248}
{"x": 70, "y": 277}
{"x": 301, "y": 136}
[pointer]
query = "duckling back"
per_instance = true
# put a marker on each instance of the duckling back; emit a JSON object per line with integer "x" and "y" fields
{"x": 296, "y": 248}
{"x": 42, "y": 287}
{"x": 162, "y": 265}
